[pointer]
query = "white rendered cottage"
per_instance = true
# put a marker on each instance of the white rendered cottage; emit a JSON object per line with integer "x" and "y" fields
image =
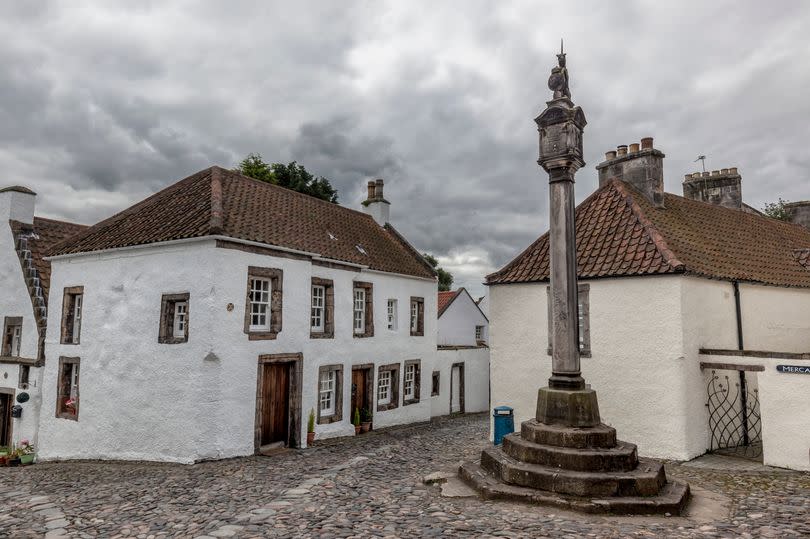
{"x": 686, "y": 303}
{"x": 24, "y": 282}
{"x": 461, "y": 373}
{"x": 218, "y": 312}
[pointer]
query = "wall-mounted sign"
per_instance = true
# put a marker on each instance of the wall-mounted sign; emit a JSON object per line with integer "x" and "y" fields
{"x": 793, "y": 369}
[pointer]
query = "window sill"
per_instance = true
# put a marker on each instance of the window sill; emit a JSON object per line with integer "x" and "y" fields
{"x": 262, "y": 335}
{"x": 386, "y": 407}
{"x": 417, "y": 333}
{"x": 173, "y": 340}
{"x": 329, "y": 419}
{"x": 321, "y": 335}
{"x": 65, "y": 415}
{"x": 410, "y": 401}
{"x": 71, "y": 343}
{"x": 585, "y": 354}
{"x": 363, "y": 335}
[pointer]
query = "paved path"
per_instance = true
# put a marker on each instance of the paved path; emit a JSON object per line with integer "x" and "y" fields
{"x": 370, "y": 486}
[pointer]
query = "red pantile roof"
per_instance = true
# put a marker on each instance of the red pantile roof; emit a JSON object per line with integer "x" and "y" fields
{"x": 446, "y": 298}
{"x": 216, "y": 201}
{"x": 45, "y": 234}
{"x": 619, "y": 233}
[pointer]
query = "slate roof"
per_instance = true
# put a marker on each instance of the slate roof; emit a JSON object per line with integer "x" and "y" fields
{"x": 619, "y": 233}
{"x": 216, "y": 201}
{"x": 46, "y": 234}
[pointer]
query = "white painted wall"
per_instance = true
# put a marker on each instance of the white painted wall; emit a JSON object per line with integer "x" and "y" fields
{"x": 476, "y": 380}
{"x": 775, "y": 318}
{"x": 143, "y": 400}
{"x": 457, "y": 324}
{"x": 15, "y": 301}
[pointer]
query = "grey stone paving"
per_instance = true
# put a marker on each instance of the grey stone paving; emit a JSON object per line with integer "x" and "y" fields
{"x": 369, "y": 486}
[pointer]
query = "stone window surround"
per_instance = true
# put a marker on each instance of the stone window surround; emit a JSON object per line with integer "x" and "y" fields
{"x": 417, "y": 381}
{"x": 60, "y": 388}
{"x": 338, "y": 403}
{"x": 394, "y": 368}
{"x": 24, "y": 376}
{"x": 436, "y": 380}
{"x": 68, "y": 305}
{"x": 328, "y": 309}
{"x": 166, "y": 330}
{"x": 583, "y": 290}
{"x": 420, "y": 316}
{"x": 276, "y": 277}
{"x": 10, "y": 321}
{"x": 369, "y": 329}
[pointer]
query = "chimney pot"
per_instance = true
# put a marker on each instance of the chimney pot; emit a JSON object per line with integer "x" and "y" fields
{"x": 707, "y": 174}
{"x": 724, "y": 171}
{"x": 634, "y": 147}
{"x": 647, "y": 143}
{"x": 621, "y": 150}
{"x": 732, "y": 170}
{"x": 371, "y": 188}
{"x": 610, "y": 155}
{"x": 715, "y": 172}
{"x": 378, "y": 191}
{"x": 687, "y": 177}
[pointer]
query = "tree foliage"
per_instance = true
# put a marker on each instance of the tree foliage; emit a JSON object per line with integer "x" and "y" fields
{"x": 291, "y": 176}
{"x": 445, "y": 277}
{"x": 777, "y": 210}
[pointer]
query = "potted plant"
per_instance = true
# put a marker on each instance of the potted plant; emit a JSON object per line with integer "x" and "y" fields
{"x": 311, "y": 427}
{"x": 14, "y": 458}
{"x": 356, "y": 421}
{"x": 365, "y": 423}
{"x": 4, "y": 451}
{"x": 26, "y": 452}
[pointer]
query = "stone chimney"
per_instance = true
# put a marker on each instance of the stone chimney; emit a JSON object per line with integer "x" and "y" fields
{"x": 719, "y": 187}
{"x": 799, "y": 212}
{"x": 642, "y": 166}
{"x": 376, "y": 205}
{"x": 17, "y": 204}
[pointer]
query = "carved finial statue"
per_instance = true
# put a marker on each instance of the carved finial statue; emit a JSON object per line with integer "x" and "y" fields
{"x": 558, "y": 81}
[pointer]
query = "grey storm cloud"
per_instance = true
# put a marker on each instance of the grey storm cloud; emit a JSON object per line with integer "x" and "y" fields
{"x": 103, "y": 103}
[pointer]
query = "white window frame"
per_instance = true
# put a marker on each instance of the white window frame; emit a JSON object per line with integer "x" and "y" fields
{"x": 326, "y": 393}
{"x": 409, "y": 384}
{"x": 392, "y": 314}
{"x": 16, "y": 340}
{"x": 414, "y": 316}
{"x": 77, "y": 318}
{"x": 260, "y": 303}
{"x": 359, "y": 308}
{"x": 479, "y": 333}
{"x": 74, "y": 381}
{"x": 318, "y": 311}
{"x": 180, "y": 319}
{"x": 384, "y": 387}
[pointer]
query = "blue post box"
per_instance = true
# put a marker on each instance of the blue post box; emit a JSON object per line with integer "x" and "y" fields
{"x": 504, "y": 420}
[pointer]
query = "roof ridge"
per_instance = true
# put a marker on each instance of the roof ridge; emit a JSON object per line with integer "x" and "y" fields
{"x": 60, "y": 221}
{"x": 657, "y": 238}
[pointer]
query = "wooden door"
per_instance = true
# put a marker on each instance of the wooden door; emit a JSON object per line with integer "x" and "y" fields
{"x": 276, "y": 404}
{"x": 457, "y": 389}
{"x": 360, "y": 391}
{"x": 6, "y": 402}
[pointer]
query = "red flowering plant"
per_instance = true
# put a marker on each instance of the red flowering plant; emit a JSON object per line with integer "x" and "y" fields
{"x": 25, "y": 447}
{"x": 70, "y": 404}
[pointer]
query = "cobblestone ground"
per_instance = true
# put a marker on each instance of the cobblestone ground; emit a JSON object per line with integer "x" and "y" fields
{"x": 370, "y": 486}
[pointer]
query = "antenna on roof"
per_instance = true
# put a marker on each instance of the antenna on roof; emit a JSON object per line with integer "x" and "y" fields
{"x": 561, "y": 46}
{"x": 702, "y": 159}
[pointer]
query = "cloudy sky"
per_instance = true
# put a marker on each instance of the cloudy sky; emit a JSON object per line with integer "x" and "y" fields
{"x": 101, "y": 105}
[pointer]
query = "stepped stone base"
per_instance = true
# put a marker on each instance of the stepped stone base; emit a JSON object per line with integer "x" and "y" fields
{"x": 567, "y": 458}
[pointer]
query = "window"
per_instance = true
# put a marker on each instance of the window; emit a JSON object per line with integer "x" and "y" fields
{"x": 263, "y": 303}
{"x": 174, "y": 318}
{"x": 67, "y": 398}
{"x": 411, "y": 383}
{"x": 363, "y": 310}
{"x": 72, "y": 304}
{"x": 392, "y": 314}
{"x": 322, "y": 309}
{"x": 330, "y": 394}
{"x": 583, "y": 315}
{"x": 417, "y": 317}
{"x": 388, "y": 387}
{"x": 12, "y": 336}
{"x": 317, "y": 311}
{"x": 479, "y": 334}
{"x": 359, "y": 310}
{"x": 436, "y": 378}
{"x": 25, "y": 374}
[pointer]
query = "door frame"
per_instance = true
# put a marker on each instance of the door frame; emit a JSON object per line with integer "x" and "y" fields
{"x": 369, "y": 368}
{"x": 461, "y": 389}
{"x": 10, "y": 424}
{"x": 296, "y": 366}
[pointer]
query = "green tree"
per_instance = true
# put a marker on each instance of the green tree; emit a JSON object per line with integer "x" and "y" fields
{"x": 777, "y": 210}
{"x": 291, "y": 176}
{"x": 445, "y": 277}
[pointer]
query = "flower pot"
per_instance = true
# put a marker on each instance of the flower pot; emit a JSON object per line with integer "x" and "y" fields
{"x": 310, "y": 438}
{"x": 365, "y": 426}
{"x": 357, "y": 429}
{"x": 3, "y": 460}
{"x": 27, "y": 459}
{"x": 15, "y": 461}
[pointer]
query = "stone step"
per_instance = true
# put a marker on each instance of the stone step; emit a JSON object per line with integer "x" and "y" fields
{"x": 672, "y": 498}
{"x": 621, "y": 458}
{"x": 540, "y": 433}
{"x": 646, "y": 480}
